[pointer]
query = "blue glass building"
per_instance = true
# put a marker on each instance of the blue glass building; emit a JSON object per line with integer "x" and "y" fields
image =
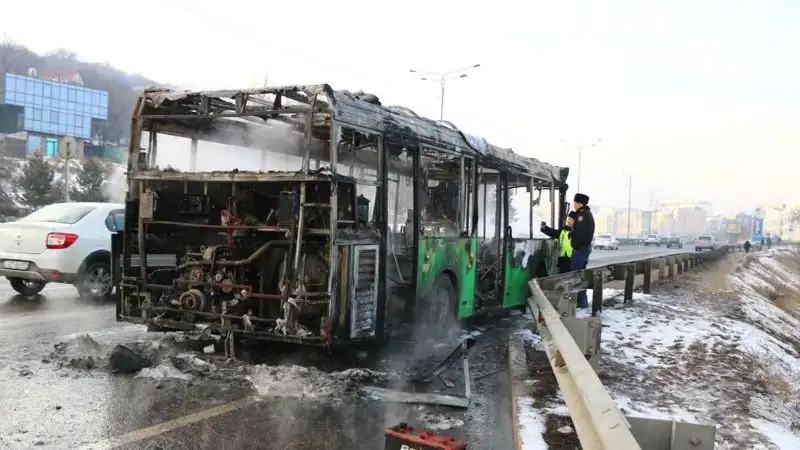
{"x": 53, "y": 108}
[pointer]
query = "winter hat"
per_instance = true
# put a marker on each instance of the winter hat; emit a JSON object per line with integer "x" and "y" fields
{"x": 582, "y": 199}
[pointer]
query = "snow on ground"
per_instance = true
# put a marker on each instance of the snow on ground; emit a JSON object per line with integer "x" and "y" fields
{"x": 721, "y": 348}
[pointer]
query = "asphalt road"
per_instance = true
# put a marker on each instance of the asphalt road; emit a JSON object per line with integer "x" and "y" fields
{"x": 51, "y": 400}
{"x": 632, "y": 253}
{"x": 46, "y": 403}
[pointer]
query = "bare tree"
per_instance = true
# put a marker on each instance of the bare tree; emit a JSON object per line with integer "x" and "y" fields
{"x": 794, "y": 216}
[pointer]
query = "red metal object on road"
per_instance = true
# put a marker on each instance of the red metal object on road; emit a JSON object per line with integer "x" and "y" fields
{"x": 403, "y": 437}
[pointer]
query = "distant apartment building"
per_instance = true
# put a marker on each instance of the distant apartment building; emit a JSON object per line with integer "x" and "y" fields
{"x": 774, "y": 218}
{"x": 714, "y": 225}
{"x": 647, "y": 221}
{"x": 683, "y": 219}
{"x": 615, "y": 221}
{"x": 39, "y": 112}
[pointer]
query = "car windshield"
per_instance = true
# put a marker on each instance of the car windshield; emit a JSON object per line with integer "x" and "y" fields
{"x": 652, "y": 236}
{"x": 59, "y": 213}
{"x": 604, "y": 236}
{"x": 704, "y": 238}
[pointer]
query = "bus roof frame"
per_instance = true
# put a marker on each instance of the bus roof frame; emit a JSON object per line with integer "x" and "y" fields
{"x": 226, "y": 116}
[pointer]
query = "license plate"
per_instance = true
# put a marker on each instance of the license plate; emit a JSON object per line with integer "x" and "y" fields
{"x": 15, "y": 265}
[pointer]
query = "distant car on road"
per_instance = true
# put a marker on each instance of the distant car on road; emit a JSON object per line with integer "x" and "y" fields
{"x": 606, "y": 241}
{"x": 674, "y": 242}
{"x": 652, "y": 239}
{"x": 61, "y": 243}
{"x": 705, "y": 242}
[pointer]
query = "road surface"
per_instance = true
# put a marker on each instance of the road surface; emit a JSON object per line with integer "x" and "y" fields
{"x": 631, "y": 253}
{"x": 44, "y": 405}
{"x": 53, "y": 398}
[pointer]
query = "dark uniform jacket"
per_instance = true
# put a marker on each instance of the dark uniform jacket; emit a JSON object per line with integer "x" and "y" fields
{"x": 583, "y": 230}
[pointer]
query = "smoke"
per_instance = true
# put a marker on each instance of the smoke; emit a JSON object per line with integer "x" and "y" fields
{"x": 116, "y": 185}
{"x": 279, "y": 148}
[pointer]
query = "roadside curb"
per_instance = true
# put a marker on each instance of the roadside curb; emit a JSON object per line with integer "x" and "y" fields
{"x": 518, "y": 371}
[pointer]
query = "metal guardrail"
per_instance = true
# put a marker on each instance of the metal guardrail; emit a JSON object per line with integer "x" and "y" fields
{"x": 572, "y": 346}
{"x": 598, "y": 421}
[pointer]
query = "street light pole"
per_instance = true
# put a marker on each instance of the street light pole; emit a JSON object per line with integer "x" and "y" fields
{"x": 442, "y": 78}
{"x": 630, "y": 186}
{"x": 580, "y": 148}
{"x": 67, "y": 156}
{"x": 441, "y": 102}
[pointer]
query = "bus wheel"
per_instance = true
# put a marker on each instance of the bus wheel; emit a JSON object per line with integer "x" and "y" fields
{"x": 439, "y": 310}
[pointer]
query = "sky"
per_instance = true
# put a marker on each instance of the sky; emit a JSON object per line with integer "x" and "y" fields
{"x": 692, "y": 100}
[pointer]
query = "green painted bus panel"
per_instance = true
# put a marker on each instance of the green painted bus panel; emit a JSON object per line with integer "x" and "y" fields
{"x": 454, "y": 254}
{"x": 525, "y": 259}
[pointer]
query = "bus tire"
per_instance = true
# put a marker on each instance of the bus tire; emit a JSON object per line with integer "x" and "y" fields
{"x": 438, "y": 312}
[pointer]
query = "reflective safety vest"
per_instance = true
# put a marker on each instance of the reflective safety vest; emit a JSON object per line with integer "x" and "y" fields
{"x": 564, "y": 243}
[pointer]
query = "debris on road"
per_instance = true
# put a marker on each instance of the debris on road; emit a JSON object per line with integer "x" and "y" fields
{"x": 132, "y": 357}
{"x": 416, "y": 397}
{"x": 82, "y": 353}
{"x": 440, "y": 422}
{"x": 309, "y": 382}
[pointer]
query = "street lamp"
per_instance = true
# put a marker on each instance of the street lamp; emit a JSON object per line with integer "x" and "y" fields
{"x": 580, "y": 148}
{"x": 630, "y": 188}
{"x": 442, "y": 78}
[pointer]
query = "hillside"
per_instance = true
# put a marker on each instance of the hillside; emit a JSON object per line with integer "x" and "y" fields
{"x": 721, "y": 347}
{"x": 122, "y": 87}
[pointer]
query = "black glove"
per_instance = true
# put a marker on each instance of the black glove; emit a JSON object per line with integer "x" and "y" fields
{"x": 542, "y": 226}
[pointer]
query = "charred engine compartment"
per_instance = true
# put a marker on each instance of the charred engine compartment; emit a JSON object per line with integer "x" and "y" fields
{"x": 244, "y": 257}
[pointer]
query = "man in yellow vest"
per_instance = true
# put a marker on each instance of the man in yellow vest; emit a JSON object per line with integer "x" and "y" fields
{"x": 564, "y": 235}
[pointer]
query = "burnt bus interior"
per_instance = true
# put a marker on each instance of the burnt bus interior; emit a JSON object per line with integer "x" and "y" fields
{"x": 318, "y": 244}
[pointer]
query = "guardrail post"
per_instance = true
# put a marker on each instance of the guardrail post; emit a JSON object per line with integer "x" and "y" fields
{"x": 657, "y": 434}
{"x": 619, "y": 272}
{"x": 648, "y": 272}
{"x": 563, "y": 302}
{"x": 662, "y": 270}
{"x": 685, "y": 264}
{"x": 630, "y": 275}
{"x": 670, "y": 268}
{"x": 597, "y": 292}
{"x": 679, "y": 261}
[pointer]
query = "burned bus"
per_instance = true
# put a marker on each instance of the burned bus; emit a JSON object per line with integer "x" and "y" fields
{"x": 350, "y": 221}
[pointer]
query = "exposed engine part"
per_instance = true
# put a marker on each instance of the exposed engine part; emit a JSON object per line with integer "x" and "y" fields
{"x": 240, "y": 262}
{"x": 227, "y": 289}
{"x": 193, "y": 300}
{"x": 208, "y": 252}
{"x": 195, "y": 274}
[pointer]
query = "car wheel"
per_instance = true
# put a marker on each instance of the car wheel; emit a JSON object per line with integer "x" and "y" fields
{"x": 27, "y": 287}
{"x": 95, "y": 281}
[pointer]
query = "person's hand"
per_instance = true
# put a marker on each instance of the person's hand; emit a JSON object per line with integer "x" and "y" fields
{"x": 542, "y": 226}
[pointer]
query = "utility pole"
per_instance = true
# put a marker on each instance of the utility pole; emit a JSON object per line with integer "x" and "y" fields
{"x": 630, "y": 186}
{"x": 580, "y": 148}
{"x": 442, "y": 78}
{"x": 67, "y": 156}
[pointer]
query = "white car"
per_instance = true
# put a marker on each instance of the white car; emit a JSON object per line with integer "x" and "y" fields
{"x": 652, "y": 239}
{"x": 705, "y": 242}
{"x": 61, "y": 243}
{"x": 606, "y": 241}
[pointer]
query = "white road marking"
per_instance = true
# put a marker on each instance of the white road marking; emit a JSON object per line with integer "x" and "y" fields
{"x": 170, "y": 425}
